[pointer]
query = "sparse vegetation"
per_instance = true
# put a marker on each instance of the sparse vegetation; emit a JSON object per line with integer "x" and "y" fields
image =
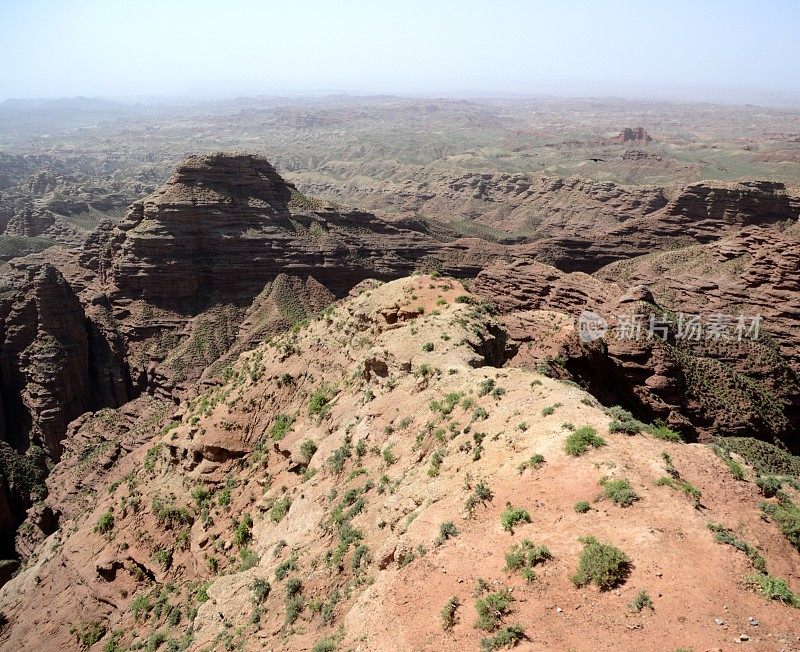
{"x": 523, "y": 557}
{"x": 641, "y": 601}
{"x": 582, "y": 506}
{"x": 507, "y": 637}
{"x": 773, "y": 588}
{"x": 601, "y": 564}
{"x": 579, "y": 441}
{"x": 787, "y": 515}
{"x": 449, "y": 613}
{"x": 533, "y": 462}
{"x": 281, "y": 425}
{"x": 724, "y": 535}
{"x": 512, "y": 516}
{"x": 620, "y": 492}
{"x": 105, "y": 523}
{"x": 492, "y": 608}
{"x": 447, "y": 530}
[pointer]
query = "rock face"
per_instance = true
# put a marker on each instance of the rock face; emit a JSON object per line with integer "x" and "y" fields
{"x": 581, "y": 225}
{"x": 632, "y": 135}
{"x": 710, "y": 387}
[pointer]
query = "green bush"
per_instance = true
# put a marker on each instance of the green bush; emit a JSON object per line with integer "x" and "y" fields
{"x": 765, "y": 458}
{"x": 507, "y": 637}
{"x": 447, "y": 530}
{"x": 582, "y": 506}
{"x": 427, "y": 347}
{"x": 601, "y": 564}
{"x": 724, "y": 535}
{"x": 105, "y": 523}
{"x": 769, "y": 485}
{"x": 641, "y": 601}
{"x": 512, "y": 516}
{"x": 773, "y": 588}
{"x": 307, "y": 449}
{"x": 281, "y": 425}
{"x": 319, "y": 401}
{"x": 619, "y": 492}
{"x": 533, "y": 462}
{"x": 523, "y": 557}
{"x": 787, "y": 515}
{"x": 579, "y": 441}
{"x": 279, "y": 509}
{"x": 282, "y": 570}
{"x": 491, "y": 608}
{"x": 448, "y": 613}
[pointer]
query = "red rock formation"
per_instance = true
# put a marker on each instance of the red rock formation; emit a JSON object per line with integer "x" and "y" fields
{"x": 632, "y": 135}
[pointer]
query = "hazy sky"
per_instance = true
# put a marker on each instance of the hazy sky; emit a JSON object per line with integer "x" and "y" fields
{"x": 60, "y": 48}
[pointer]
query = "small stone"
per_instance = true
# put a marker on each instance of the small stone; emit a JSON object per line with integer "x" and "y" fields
{"x": 753, "y": 621}
{"x": 719, "y": 621}
{"x": 744, "y": 637}
{"x": 559, "y": 610}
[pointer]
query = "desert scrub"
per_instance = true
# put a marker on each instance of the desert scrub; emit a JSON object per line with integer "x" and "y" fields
{"x": 307, "y": 449}
{"x": 619, "y": 492}
{"x": 279, "y": 509}
{"x": 513, "y": 516}
{"x": 641, "y": 601}
{"x": 164, "y": 557}
{"x": 242, "y": 534}
{"x": 437, "y": 457}
{"x": 524, "y": 557}
{"x": 769, "y": 485}
{"x": 282, "y": 569}
{"x": 736, "y": 469}
{"x": 550, "y": 409}
{"x": 486, "y": 386}
{"x": 319, "y": 402}
{"x": 294, "y": 600}
{"x": 105, "y": 523}
{"x": 533, "y": 462}
{"x": 427, "y": 347}
{"x": 281, "y": 425}
{"x": 88, "y": 634}
{"x": 388, "y": 455}
{"x": 787, "y": 515}
{"x": 582, "y": 506}
{"x": 491, "y": 608}
{"x": 601, "y": 564}
{"x": 479, "y": 495}
{"x": 449, "y": 613}
{"x": 447, "y": 530}
{"x": 773, "y": 588}
{"x": 507, "y": 637}
{"x": 579, "y": 441}
{"x": 724, "y": 535}
{"x": 765, "y": 458}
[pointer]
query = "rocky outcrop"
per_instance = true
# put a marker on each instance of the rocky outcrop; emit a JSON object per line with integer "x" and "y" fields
{"x": 704, "y": 387}
{"x": 632, "y": 135}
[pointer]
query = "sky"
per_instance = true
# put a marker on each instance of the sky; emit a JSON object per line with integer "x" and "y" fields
{"x": 141, "y": 48}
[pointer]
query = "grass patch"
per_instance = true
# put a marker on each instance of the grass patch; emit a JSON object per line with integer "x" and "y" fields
{"x": 773, "y": 588}
{"x": 620, "y": 492}
{"x": 282, "y": 425}
{"x": 641, "y": 601}
{"x": 533, "y": 462}
{"x": 579, "y": 441}
{"x": 513, "y": 516}
{"x": 506, "y": 638}
{"x": 491, "y": 608}
{"x": 725, "y": 536}
{"x": 787, "y": 515}
{"x": 582, "y": 506}
{"x": 601, "y": 564}
{"x": 449, "y": 613}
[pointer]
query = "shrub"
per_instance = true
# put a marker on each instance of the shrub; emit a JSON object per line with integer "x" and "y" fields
{"x": 282, "y": 425}
{"x": 769, "y": 485}
{"x": 427, "y": 347}
{"x": 512, "y": 516}
{"x": 242, "y": 535}
{"x": 282, "y": 570}
{"x": 582, "y": 507}
{"x": 619, "y": 492}
{"x": 164, "y": 557}
{"x": 641, "y": 601}
{"x": 279, "y": 509}
{"x": 437, "y": 457}
{"x": 448, "y": 613}
{"x": 547, "y": 411}
{"x": 773, "y": 588}
{"x": 787, "y": 515}
{"x": 447, "y": 530}
{"x": 579, "y": 441}
{"x": 88, "y": 634}
{"x": 523, "y": 557}
{"x": 389, "y": 457}
{"x": 764, "y": 457}
{"x": 533, "y": 462}
{"x": 318, "y": 403}
{"x": 307, "y": 449}
{"x": 660, "y": 430}
{"x": 486, "y": 386}
{"x": 491, "y": 608}
{"x": 259, "y": 590}
{"x": 507, "y": 637}
{"x": 601, "y": 564}
{"x": 736, "y": 469}
{"x": 724, "y": 535}
{"x": 105, "y": 523}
